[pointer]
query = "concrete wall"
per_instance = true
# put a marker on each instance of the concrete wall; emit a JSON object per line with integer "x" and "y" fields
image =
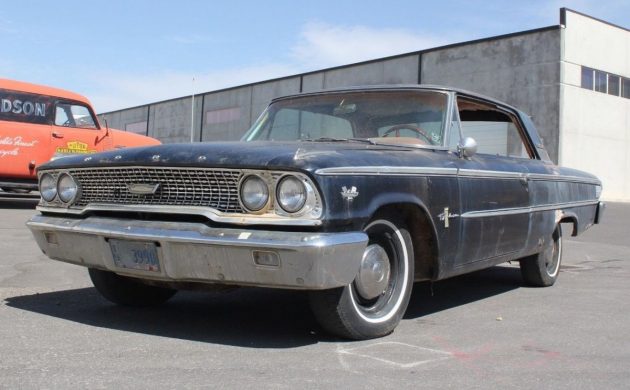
{"x": 400, "y": 70}
{"x": 522, "y": 70}
{"x": 170, "y": 121}
{"x": 595, "y": 126}
{"x": 133, "y": 119}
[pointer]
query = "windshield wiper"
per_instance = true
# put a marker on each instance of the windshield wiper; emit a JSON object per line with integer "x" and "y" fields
{"x": 331, "y": 139}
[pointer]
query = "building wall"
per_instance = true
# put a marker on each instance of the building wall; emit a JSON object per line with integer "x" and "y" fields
{"x": 538, "y": 71}
{"x": 595, "y": 126}
{"x": 523, "y": 70}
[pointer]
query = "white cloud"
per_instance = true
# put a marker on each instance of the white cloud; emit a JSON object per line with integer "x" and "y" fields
{"x": 117, "y": 91}
{"x": 320, "y": 45}
{"x": 323, "y": 45}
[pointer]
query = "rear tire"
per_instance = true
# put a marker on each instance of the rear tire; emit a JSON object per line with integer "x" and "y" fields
{"x": 125, "y": 291}
{"x": 542, "y": 269}
{"x": 374, "y": 303}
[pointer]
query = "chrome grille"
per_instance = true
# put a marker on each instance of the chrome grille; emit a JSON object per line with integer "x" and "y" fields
{"x": 215, "y": 188}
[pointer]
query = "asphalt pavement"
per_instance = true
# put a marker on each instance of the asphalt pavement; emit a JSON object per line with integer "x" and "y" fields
{"x": 483, "y": 330}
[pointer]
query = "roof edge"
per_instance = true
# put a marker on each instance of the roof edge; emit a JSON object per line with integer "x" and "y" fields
{"x": 563, "y": 18}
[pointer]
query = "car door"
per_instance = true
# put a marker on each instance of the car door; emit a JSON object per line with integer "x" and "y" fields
{"x": 493, "y": 184}
{"x": 75, "y": 130}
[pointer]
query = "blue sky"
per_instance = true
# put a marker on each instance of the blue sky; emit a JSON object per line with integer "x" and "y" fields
{"x": 126, "y": 53}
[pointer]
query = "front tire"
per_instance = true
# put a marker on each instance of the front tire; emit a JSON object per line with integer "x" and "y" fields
{"x": 125, "y": 291}
{"x": 542, "y": 269}
{"x": 374, "y": 303}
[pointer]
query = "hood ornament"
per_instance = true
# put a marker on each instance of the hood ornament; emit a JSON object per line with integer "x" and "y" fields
{"x": 143, "y": 188}
{"x": 349, "y": 194}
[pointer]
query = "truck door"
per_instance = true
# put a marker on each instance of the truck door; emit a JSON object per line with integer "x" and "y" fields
{"x": 75, "y": 130}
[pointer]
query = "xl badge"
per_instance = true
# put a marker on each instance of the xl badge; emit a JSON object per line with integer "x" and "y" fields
{"x": 143, "y": 188}
{"x": 349, "y": 194}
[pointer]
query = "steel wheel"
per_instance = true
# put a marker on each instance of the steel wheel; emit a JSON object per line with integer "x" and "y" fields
{"x": 542, "y": 269}
{"x": 373, "y": 304}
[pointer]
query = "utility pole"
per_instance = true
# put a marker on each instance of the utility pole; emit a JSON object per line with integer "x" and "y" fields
{"x": 192, "y": 113}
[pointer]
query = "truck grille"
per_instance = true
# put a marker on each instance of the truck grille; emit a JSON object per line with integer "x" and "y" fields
{"x": 215, "y": 188}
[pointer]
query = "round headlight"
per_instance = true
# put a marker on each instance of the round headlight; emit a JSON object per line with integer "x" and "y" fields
{"x": 47, "y": 187}
{"x": 254, "y": 193}
{"x": 291, "y": 194}
{"x": 67, "y": 188}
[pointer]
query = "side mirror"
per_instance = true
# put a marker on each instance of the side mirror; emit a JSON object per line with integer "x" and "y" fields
{"x": 467, "y": 147}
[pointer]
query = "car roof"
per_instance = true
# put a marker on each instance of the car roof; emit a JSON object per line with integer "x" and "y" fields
{"x": 394, "y": 87}
{"x": 22, "y": 86}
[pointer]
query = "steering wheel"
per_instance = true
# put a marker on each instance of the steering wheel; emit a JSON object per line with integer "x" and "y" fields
{"x": 414, "y": 128}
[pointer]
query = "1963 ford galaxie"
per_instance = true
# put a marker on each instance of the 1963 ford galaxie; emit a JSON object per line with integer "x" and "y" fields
{"x": 351, "y": 194}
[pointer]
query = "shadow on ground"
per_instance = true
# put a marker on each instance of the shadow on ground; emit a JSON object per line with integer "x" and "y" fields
{"x": 18, "y": 201}
{"x": 249, "y": 317}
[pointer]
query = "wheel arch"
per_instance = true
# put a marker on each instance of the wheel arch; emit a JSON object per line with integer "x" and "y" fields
{"x": 569, "y": 218}
{"x": 417, "y": 219}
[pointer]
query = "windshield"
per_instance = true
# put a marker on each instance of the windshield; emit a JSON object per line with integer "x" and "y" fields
{"x": 408, "y": 117}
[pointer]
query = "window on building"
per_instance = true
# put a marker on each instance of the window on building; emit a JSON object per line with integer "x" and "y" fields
{"x": 600, "y": 81}
{"x": 613, "y": 85}
{"x": 625, "y": 90}
{"x": 587, "y": 78}
{"x": 497, "y": 132}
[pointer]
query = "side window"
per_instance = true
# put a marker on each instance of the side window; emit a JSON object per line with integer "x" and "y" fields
{"x": 73, "y": 115}
{"x": 496, "y": 131}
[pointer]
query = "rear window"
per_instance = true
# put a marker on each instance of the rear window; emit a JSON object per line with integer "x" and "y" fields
{"x": 25, "y": 107}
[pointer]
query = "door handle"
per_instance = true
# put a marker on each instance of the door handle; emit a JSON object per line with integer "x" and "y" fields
{"x": 57, "y": 135}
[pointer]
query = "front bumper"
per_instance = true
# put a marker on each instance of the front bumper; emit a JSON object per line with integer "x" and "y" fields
{"x": 194, "y": 252}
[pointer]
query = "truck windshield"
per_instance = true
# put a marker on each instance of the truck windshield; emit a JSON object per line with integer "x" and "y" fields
{"x": 407, "y": 116}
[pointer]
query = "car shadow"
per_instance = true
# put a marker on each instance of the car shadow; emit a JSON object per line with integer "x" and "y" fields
{"x": 249, "y": 317}
{"x": 18, "y": 201}
{"x": 428, "y": 298}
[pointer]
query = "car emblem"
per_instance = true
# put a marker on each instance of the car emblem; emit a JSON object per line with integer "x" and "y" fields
{"x": 143, "y": 188}
{"x": 349, "y": 194}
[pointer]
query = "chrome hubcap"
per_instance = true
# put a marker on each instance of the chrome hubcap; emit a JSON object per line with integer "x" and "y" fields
{"x": 373, "y": 275}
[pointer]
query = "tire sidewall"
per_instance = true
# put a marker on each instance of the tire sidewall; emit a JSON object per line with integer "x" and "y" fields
{"x": 364, "y": 325}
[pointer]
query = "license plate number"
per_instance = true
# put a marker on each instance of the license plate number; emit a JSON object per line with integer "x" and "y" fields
{"x": 136, "y": 255}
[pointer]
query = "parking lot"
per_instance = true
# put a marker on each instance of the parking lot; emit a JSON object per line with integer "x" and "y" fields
{"x": 484, "y": 330}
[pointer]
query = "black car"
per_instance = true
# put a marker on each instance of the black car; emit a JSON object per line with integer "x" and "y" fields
{"x": 351, "y": 194}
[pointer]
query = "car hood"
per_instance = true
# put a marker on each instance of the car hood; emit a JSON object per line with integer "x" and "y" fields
{"x": 307, "y": 156}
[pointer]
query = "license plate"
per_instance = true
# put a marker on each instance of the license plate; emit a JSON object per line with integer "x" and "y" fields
{"x": 136, "y": 255}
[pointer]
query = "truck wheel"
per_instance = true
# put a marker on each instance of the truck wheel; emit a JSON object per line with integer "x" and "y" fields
{"x": 373, "y": 304}
{"x": 126, "y": 291}
{"x": 542, "y": 269}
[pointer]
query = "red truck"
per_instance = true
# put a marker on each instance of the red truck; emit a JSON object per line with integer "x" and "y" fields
{"x": 39, "y": 123}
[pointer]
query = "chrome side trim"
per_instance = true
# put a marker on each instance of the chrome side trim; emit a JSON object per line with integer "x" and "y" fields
{"x": 213, "y": 215}
{"x": 574, "y": 179}
{"x": 479, "y": 174}
{"x": 386, "y": 171}
{"x": 468, "y": 173}
{"x": 526, "y": 210}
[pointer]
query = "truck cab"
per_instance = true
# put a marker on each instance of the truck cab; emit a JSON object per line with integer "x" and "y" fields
{"x": 39, "y": 123}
